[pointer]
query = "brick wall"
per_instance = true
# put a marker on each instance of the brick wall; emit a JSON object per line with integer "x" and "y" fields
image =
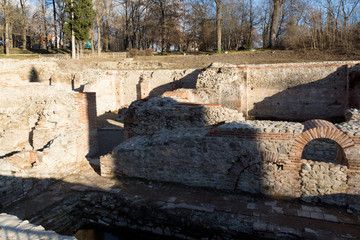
{"x": 86, "y": 107}
{"x": 45, "y": 132}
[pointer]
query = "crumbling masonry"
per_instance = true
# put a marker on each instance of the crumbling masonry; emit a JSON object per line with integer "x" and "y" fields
{"x": 210, "y": 128}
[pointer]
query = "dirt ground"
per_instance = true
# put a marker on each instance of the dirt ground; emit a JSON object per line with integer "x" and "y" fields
{"x": 250, "y": 57}
{"x": 198, "y": 61}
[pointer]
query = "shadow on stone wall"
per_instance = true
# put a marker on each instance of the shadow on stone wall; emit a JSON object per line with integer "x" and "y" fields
{"x": 170, "y": 141}
{"x": 34, "y": 75}
{"x": 166, "y": 141}
{"x": 322, "y": 149}
{"x": 322, "y": 99}
{"x": 188, "y": 81}
{"x": 110, "y": 131}
{"x": 354, "y": 86}
{"x": 48, "y": 202}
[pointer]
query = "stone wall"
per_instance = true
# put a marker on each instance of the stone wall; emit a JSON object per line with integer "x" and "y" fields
{"x": 145, "y": 117}
{"x": 192, "y": 156}
{"x": 352, "y": 115}
{"x": 116, "y": 89}
{"x": 300, "y": 91}
{"x": 45, "y": 132}
{"x": 12, "y": 70}
{"x": 251, "y": 156}
{"x": 322, "y": 180}
{"x": 282, "y": 91}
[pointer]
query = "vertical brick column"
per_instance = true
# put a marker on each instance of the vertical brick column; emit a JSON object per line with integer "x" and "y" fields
{"x": 86, "y": 106}
{"x": 353, "y": 156}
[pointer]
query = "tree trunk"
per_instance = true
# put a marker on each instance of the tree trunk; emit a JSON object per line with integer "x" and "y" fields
{"x": 274, "y": 22}
{"x": 251, "y": 25}
{"x": 11, "y": 37}
{"x": 218, "y": 25}
{"x": 55, "y": 26}
{"x": 92, "y": 40}
{"x": 23, "y": 9}
{"x": 163, "y": 27}
{"x": 81, "y": 48}
{"x": 77, "y": 50}
{"x": 7, "y": 40}
{"x": 73, "y": 53}
{"x": 126, "y": 30}
{"x": 98, "y": 34}
{"x": 7, "y": 26}
{"x": 45, "y": 23}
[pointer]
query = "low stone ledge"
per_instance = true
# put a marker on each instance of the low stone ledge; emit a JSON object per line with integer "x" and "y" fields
{"x": 263, "y": 126}
{"x": 12, "y": 228}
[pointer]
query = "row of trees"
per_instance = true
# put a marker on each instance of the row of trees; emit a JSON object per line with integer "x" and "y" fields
{"x": 183, "y": 25}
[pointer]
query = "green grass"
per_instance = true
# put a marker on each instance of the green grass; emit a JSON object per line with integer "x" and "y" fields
{"x": 36, "y": 51}
{"x": 17, "y": 53}
{"x": 22, "y": 57}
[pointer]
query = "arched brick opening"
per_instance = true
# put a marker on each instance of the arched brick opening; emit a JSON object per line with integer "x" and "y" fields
{"x": 324, "y": 150}
{"x": 315, "y": 129}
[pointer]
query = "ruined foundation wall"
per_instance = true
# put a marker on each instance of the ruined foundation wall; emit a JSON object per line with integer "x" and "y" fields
{"x": 250, "y": 156}
{"x": 45, "y": 132}
{"x": 191, "y": 156}
{"x": 12, "y": 70}
{"x": 293, "y": 91}
{"x": 282, "y": 91}
{"x": 298, "y": 92}
{"x": 149, "y": 116}
{"x": 116, "y": 89}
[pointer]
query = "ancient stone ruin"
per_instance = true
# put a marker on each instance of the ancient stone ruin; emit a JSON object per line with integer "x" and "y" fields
{"x": 284, "y": 138}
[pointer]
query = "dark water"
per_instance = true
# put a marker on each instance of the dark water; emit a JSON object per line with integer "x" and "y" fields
{"x": 102, "y": 233}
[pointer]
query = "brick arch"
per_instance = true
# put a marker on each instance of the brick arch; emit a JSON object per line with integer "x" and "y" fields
{"x": 315, "y": 129}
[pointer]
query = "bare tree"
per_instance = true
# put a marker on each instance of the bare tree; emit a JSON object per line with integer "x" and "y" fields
{"x": 218, "y": 25}
{"x": 99, "y": 15}
{"x": 347, "y": 9}
{"x": 274, "y": 21}
{"x": 24, "y": 22}
{"x": 5, "y": 5}
{"x": 61, "y": 16}
{"x": 43, "y": 14}
{"x": 55, "y": 24}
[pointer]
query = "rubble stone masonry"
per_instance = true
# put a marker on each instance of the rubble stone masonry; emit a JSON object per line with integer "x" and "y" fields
{"x": 252, "y": 156}
{"x": 45, "y": 132}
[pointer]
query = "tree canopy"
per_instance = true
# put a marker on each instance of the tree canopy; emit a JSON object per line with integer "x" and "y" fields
{"x": 183, "y": 25}
{"x": 80, "y": 18}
